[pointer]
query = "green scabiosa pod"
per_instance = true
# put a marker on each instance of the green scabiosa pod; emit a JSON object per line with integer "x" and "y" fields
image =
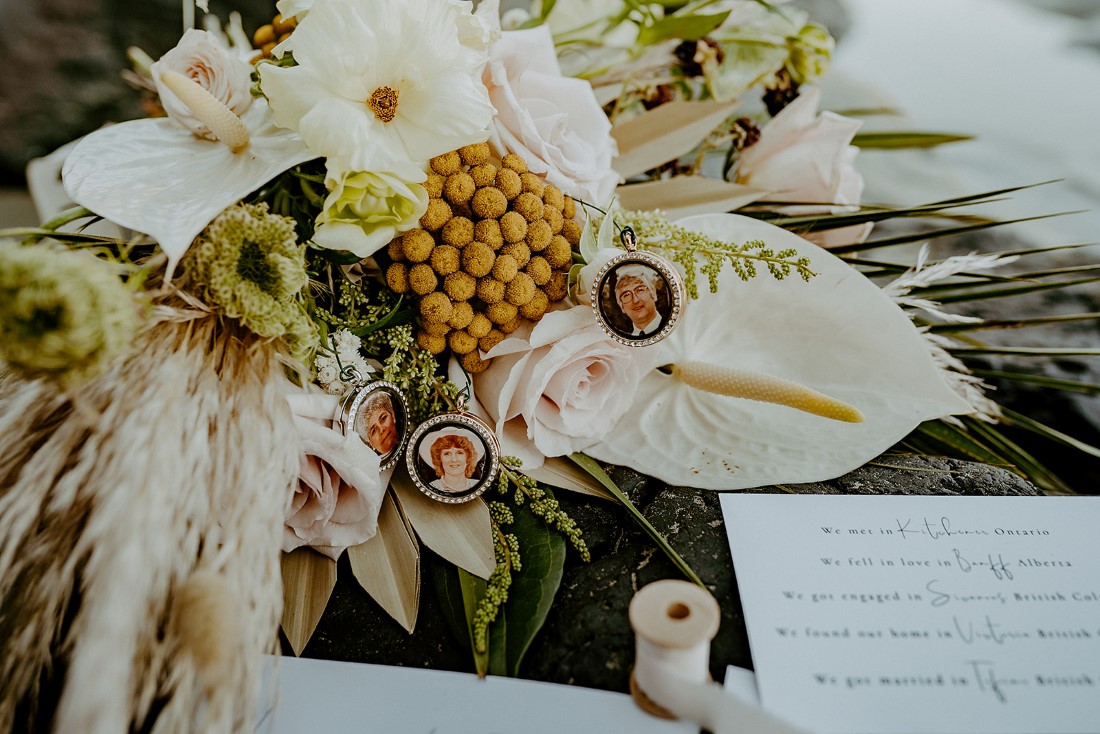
{"x": 64, "y": 314}
{"x": 247, "y": 265}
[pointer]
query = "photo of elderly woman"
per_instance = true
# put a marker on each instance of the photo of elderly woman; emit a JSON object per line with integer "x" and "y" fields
{"x": 451, "y": 460}
{"x": 634, "y": 300}
{"x": 377, "y": 425}
{"x": 381, "y": 422}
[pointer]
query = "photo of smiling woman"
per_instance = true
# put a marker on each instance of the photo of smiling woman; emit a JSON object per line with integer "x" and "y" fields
{"x": 380, "y": 416}
{"x": 454, "y": 457}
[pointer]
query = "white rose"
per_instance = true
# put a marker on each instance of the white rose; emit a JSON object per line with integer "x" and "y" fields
{"x": 806, "y": 157}
{"x": 339, "y": 491}
{"x": 561, "y": 388}
{"x": 203, "y": 58}
{"x": 553, "y": 122}
{"x": 365, "y": 210}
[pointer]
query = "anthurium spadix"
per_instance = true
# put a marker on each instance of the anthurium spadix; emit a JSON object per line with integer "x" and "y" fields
{"x": 837, "y": 334}
{"x": 156, "y": 177}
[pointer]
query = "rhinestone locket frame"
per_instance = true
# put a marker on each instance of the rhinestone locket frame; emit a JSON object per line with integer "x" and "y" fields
{"x": 440, "y": 422}
{"x": 356, "y": 400}
{"x": 674, "y": 287}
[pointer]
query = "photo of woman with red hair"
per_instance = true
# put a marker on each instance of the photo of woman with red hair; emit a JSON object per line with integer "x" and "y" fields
{"x": 455, "y": 455}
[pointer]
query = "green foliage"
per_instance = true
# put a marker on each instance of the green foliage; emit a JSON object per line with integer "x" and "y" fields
{"x": 506, "y": 549}
{"x": 503, "y": 614}
{"x": 540, "y": 501}
{"x": 900, "y": 140}
{"x": 696, "y": 253}
{"x": 681, "y": 27}
{"x": 458, "y": 592}
{"x": 534, "y": 586}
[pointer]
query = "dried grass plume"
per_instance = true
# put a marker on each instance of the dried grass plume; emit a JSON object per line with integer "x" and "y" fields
{"x": 152, "y": 499}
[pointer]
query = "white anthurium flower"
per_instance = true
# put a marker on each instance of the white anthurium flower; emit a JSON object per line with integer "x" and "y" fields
{"x": 837, "y": 334}
{"x": 155, "y": 177}
{"x": 380, "y": 84}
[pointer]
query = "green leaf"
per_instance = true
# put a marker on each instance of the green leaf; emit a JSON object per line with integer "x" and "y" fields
{"x": 1051, "y": 383}
{"x": 1026, "y": 279}
{"x": 337, "y": 257}
{"x": 979, "y": 441}
{"x": 1046, "y": 431}
{"x": 683, "y": 27}
{"x": 996, "y": 192}
{"x": 589, "y": 465}
{"x": 531, "y": 594}
{"x": 1024, "y": 463}
{"x": 1011, "y": 323}
{"x": 1027, "y": 351}
{"x": 929, "y": 235}
{"x": 458, "y": 593}
{"x": 974, "y": 294}
{"x": 395, "y": 317}
{"x": 961, "y": 443}
{"x": 899, "y": 140}
{"x": 39, "y": 233}
{"x": 588, "y": 244}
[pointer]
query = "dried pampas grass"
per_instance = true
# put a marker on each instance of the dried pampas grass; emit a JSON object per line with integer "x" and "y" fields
{"x": 140, "y": 528}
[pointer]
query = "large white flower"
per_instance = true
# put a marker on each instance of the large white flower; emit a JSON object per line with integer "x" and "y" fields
{"x": 381, "y": 85}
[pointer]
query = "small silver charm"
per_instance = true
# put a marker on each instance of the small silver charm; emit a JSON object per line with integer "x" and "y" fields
{"x": 378, "y": 411}
{"x": 637, "y": 296}
{"x": 453, "y": 457}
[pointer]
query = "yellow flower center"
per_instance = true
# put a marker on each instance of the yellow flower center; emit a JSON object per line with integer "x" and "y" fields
{"x": 383, "y": 103}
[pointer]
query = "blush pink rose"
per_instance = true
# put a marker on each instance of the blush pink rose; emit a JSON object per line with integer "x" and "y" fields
{"x": 203, "y": 58}
{"x": 807, "y": 157}
{"x": 551, "y": 121}
{"x": 339, "y": 493}
{"x": 561, "y": 387}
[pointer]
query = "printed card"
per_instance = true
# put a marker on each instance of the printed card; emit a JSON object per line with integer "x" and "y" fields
{"x": 922, "y": 614}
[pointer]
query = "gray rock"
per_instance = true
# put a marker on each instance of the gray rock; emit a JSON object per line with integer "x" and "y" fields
{"x": 587, "y": 639}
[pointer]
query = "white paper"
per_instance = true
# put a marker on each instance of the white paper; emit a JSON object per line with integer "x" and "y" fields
{"x": 922, "y": 614}
{"x": 741, "y": 682}
{"x": 332, "y": 697}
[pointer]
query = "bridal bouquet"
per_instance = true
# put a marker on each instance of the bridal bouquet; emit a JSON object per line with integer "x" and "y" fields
{"x": 389, "y": 273}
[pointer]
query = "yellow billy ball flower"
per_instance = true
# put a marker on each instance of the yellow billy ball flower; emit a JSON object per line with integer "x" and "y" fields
{"x": 436, "y": 308}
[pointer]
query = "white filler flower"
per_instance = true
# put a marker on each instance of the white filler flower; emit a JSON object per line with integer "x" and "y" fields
{"x": 381, "y": 84}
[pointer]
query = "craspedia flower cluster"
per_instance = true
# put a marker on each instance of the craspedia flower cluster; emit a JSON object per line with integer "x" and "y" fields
{"x": 64, "y": 315}
{"x": 247, "y": 265}
{"x": 268, "y": 36}
{"x": 494, "y": 248}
